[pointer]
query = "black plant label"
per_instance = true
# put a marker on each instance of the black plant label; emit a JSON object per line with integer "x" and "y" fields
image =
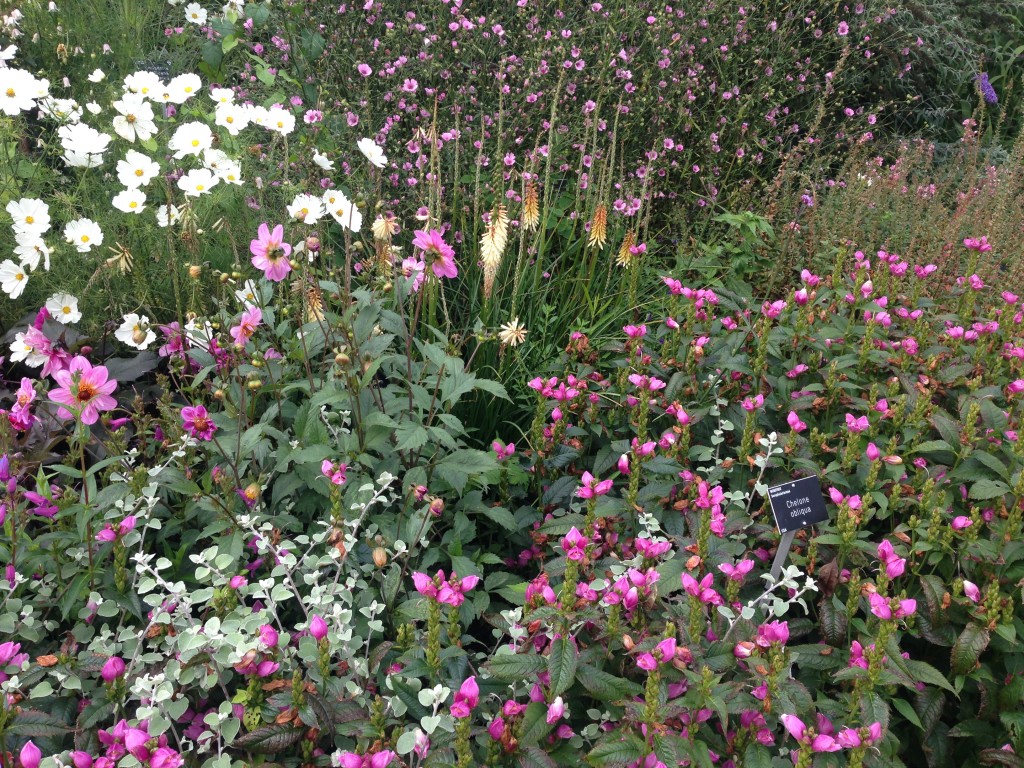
{"x": 797, "y": 504}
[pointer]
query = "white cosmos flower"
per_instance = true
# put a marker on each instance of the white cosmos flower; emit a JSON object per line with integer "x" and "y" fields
{"x": 30, "y": 249}
{"x": 63, "y": 307}
{"x": 248, "y": 294}
{"x": 190, "y": 139}
{"x": 306, "y": 208}
{"x": 137, "y": 169}
{"x": 94, "y": 108}
{"x": 96, "y": 76}
{"x": 280, "y": 121}
{"x": 30, "y": 215}
{"x": 225, "y": 168}
{"x": 23, "y": 352}
{"x": 166, "y": 215}
{"x": 342, "y": 209}
{"x": 185, "y": 86}
{"x": 222, "y": 95}
{"x": 6, "y": 54}
{"x": 135, "y": 118}
{"x": 135, "y": 331}
{"x": 13, "y": 278}
{"x": 130, "y": 201}
{"x": 61, "y": 110}
{"x": 143, "y": 84}
{"x": 19, "y": 92}
{"x": 198, "y": 181}
{"x": 372, "y": 152}
{"x": 84, "y": 234}
{"x": 233, "y": 117}
{"x": 322, "y": 161}
{"x": 83, "y": 145}
{"x": 195, "y": 13}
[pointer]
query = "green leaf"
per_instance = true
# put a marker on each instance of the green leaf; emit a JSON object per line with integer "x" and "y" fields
{"x": 1000, "y": 757}
{"x": 833, "y": 622}
{"x": 616, "y": 751}
{"x": 988, "y": 489}
{"x": 535, "y": 725}
{"x": 904, "y": 708}
{"x": 928, "y": 674}
{"x": 270, "y": 739}
{"x": 605, "y": 686}
{"x": 33, "y": 724}
{"x": 757, "y": 756}
{"x": 929, "y": 704}
{"x": 514, "y": 667}
{"x": 534, "y": 757}
{"x": 968, "y": 647}
{"x": 562, "y": 665}
{"x": 409, "y": 436}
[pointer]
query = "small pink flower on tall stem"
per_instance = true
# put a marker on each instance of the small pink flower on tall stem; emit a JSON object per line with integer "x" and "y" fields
{"x": 437, "y": 252}
{"x": 592, "y": 487}
{"x": 247, "y": 325}
{"x": 197, "y": 422}
{"x": 84, "y": 390}
{"x": 466, "y": 698}
{"x": 270, "y": 253}
{"x": 574, "y": 545}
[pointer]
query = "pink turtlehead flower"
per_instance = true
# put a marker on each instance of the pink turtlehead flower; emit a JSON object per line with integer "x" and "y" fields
{"x": 334, "y": 472}
{"x": 425, "y": 585}
{"x": 979, "y": 244}
{"x": 437, "y": 252}
{"x": 882, "y": 607}
{"x": 971, "y": 591}
{"x": 574, "y": 545}
{"x": 663, "y": 653}
{"x": 795, "y": 423}
{"x": 556, "y": 710}
{"x": 113, "y": 668}
{"x": 872, "y": 452}
{"x": 857, "y": 658}
{"x": 247, "y": 325}
{"x": 772, "y": 632}
{"x": 270, "y": 253}
{"x": 452, "y": 592}
{"x": 652, "y": 549}
{"x": 592, "y": 487}
{"x": 197, "y": 422}
{"x": 751, "y": 404}
{"x": 773, "y": 309}
{"x": 821, "y": 742}
{"x": 30, "y": 755}
{"x": 376, "y": 760}
{"x": 894, "y": 565}
{"x": 960, "y": 522}
{"x": 318, "y": 628}
{"x": 701, "y": 589}
{"x": 850, "y": 738}
{"x": 737, "y": 572}
{"x": 856, "y": 423}
{"x": 466, "y": 698}
{"x": 83, "y": 390}
{"x": 503, "y": 452}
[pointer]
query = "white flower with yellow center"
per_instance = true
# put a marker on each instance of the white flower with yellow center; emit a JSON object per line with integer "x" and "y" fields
{"x": 30, "y": 215}
{"x": 13, "y": 278}
{"x": 306, "y": 208}
{"x": 195, "y": 13}
{"x": 63, "y": 307}
{"x": 31, "y": 249}
{"x": 136, "y": 170}
{"x": 190, "y": 139}
{"x": 372, "y": 152}
{"x": 342, "y": 210}
{"x": 130, "y": 201}
{"x": 198, "y": 182}
{"x": 134, "y": 119}
{"x": 83, "y": 145}
{"x": 135, "y": 331}
{"x": 232, "y": 117}
{"x": 83, "y": 234}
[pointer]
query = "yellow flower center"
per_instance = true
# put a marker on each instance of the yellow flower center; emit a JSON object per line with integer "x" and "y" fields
{"x": 133, "y": 204}
{"x": 200, "y": 187}
{"x": 29, "y": 219}
{"x": 85, "y": 238}
{"x": 195, "y": 142}
{"x": 10, "y": 93}
{"x": 66, "y": 310}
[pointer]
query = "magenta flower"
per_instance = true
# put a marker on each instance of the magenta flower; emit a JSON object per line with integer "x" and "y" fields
{"x": 592, "y": 487}
{"x": 556, "y": 710}
{"x": 773, "y": 309}
{"x": 503, "y": 452}
{"x": 574, "y": 545}
{"x": 773, "y": 632}
{"x": 376, "y": 760}
{"x": 794, "y": 422}
{"x": 112, "y": 669}
{"x": 440, "y": 255}
{"x": 960, "y": 522}
{"x": 971, "y": 591}
{"x": 737, "y": 572}
{"x": 882, "y": 607}
{"x": 821, "y": 742}
{"x": 334, "y": 472}
{"x": 30, "y": 755}
{"x": 318, "y": 627}
{"x": 466, "y": 698}
{"x": 452, "y": 592}
{"x": 84, "y": 391}
{"x": 894, "y": 565}
{"x": 425, "y": 585}
{"x": 270, "y": 253}
{"x": 663, "y": 653}
{"x": 247, "y": 324}
{"x": 701, "y": 589}
{"x": 851, "y": 738}
{"x": 856, "y": 424}
{"x": 197, "y": 422}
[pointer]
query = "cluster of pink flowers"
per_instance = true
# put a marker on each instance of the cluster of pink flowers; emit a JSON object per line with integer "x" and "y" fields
{"x": 451, "y": 590}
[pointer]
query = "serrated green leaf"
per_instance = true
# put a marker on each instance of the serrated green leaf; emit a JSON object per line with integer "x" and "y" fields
{"x": 535, "y": 726}
{"x": 604, "y": 686}
{"x": 270, "y": 739}
{"x": 968, "y": 647}
{"x": 988, "y": 489}
{"x": 616, "y": 751}
{"x": 562, "y": 663}
{"x": 928, "y": 674}
{"x": 903, "y": 707}
{"x": 515, "y": 667}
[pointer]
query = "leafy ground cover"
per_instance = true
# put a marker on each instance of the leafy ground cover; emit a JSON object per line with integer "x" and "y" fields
{"x": 333, "y": 446}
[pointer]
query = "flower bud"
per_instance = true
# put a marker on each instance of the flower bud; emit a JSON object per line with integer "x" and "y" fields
{"x": 112, "y": 669}
{"x": 30, "y": 755}
{"x": 318, "y": 628}
{"x": 380, "y": 557}
{"x": 194, "y": 271}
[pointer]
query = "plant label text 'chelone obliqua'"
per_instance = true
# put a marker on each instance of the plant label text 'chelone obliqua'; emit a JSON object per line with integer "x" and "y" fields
{"x": 797, "y": 504}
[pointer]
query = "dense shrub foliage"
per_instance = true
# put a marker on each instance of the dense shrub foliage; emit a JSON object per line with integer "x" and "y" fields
{"x": 366, "y": 412}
